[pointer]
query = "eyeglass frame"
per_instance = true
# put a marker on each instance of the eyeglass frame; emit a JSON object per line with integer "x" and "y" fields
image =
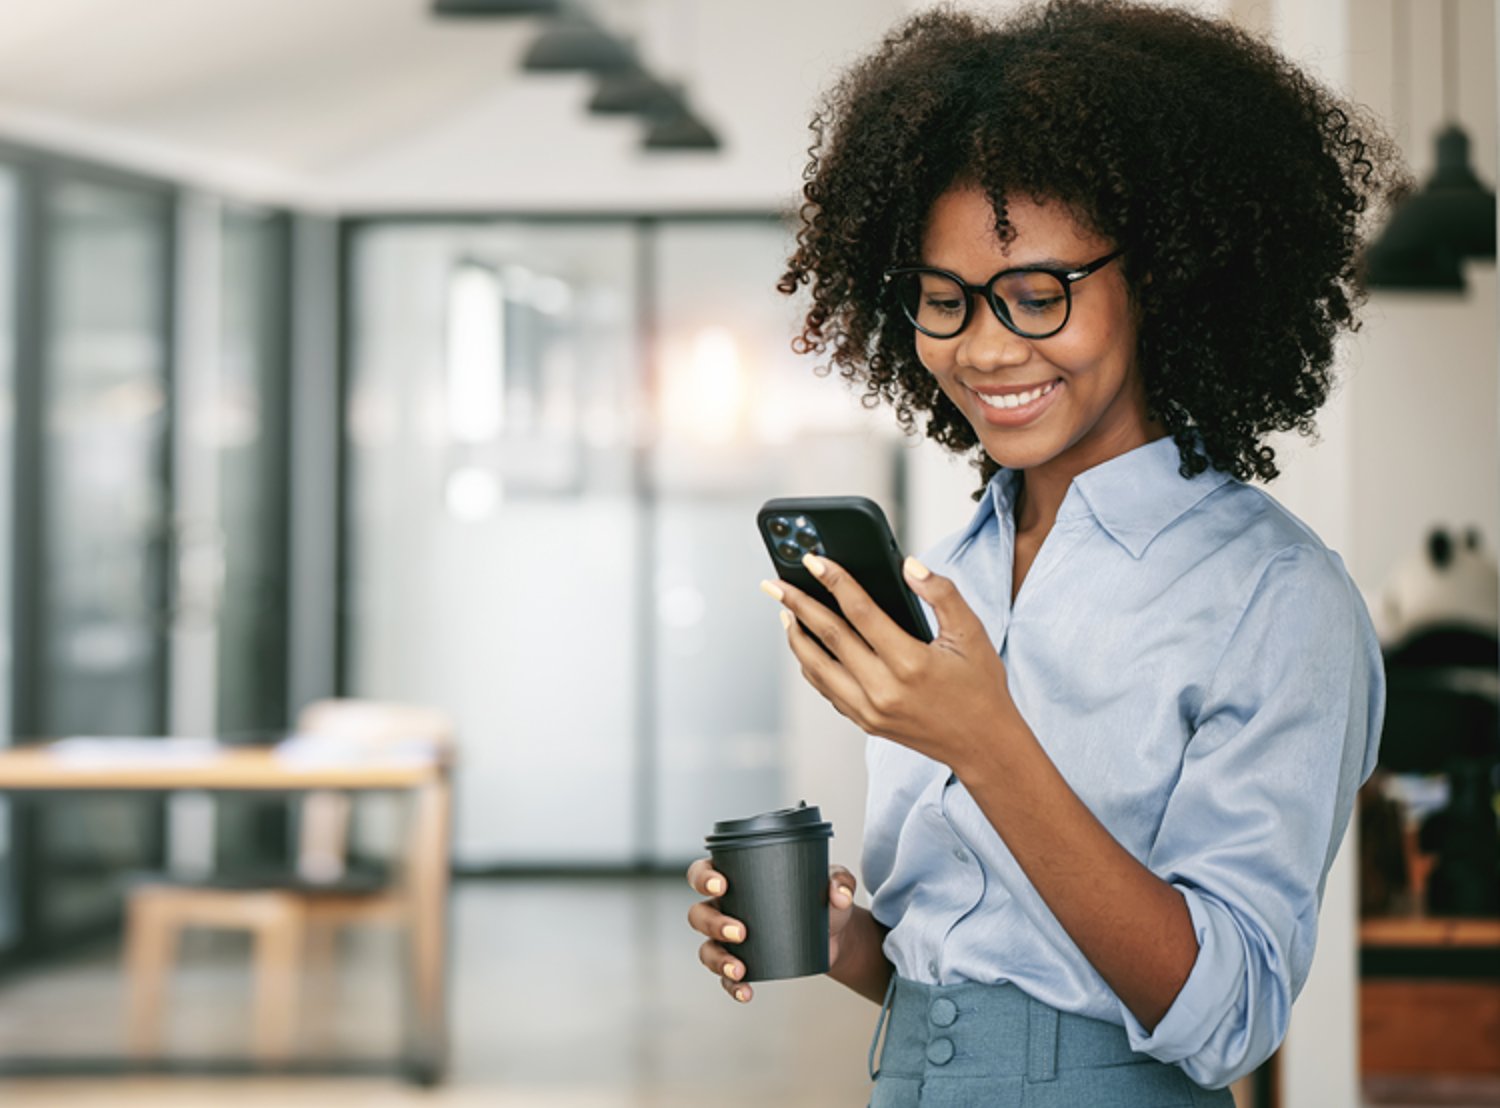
{"x": 1064, "y": 277}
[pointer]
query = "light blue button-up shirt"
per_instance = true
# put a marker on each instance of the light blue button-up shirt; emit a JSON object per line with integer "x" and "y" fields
{"x": 1203, "y": 672}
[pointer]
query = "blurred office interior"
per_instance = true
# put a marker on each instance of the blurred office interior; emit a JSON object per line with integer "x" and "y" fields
{"x": 344, "y": 356}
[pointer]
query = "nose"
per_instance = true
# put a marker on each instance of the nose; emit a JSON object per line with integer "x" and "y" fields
{"x": 986, "y": 344}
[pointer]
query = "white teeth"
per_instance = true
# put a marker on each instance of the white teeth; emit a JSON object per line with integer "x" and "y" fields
{"x": 1016, "y": 400}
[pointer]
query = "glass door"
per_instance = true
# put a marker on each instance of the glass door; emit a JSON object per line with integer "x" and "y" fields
{"x": 246, "y": 431}
{"x": 98, "y": 564}
{"x": 9, "y": 253}
{"x": 250, "y": 433}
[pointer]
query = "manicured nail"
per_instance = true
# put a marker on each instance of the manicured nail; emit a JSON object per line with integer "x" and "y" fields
{"x": 772, "y": 590}
{"x": 786, "y": 620}
{"x": 916, "y": 570}
{"x": 716, "y": 885}
{"x": 742, "y": 995}
{"x": 815, "y": 565}
{"x": 732, "y": 971}
{"x": 734, "y": 933}
{"x": 841, "y": 896}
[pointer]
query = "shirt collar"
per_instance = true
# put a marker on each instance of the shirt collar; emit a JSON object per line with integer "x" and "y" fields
{"x": 1134, "y": 496}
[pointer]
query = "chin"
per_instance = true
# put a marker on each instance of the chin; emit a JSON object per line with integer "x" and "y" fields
{"x": 1013, "y": 454}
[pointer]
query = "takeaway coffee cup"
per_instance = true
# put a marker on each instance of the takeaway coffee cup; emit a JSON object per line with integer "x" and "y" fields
{"x": 776, "y": 864}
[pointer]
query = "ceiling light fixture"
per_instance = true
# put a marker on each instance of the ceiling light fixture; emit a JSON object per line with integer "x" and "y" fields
{"x": 633, "y": 92}
{"x": 575, "y": 43}
{"x": 1452, "y": 217}
{"x": 680, "y": 130}
{"x": 496, "y": 7}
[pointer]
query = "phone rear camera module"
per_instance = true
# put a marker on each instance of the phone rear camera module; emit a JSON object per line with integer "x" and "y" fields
{"x": 792, "y": 537}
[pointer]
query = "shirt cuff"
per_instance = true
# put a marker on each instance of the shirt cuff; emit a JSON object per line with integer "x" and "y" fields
{"x": 1214, "y": 987}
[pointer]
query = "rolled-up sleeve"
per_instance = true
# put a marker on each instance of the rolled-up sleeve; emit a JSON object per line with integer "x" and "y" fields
{"x": 1286, "y": 732}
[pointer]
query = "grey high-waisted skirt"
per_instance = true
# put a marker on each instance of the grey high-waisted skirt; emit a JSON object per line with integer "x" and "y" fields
{"x": 992, "y": 1046}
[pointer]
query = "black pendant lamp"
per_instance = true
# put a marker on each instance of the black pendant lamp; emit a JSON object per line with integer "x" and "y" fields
{"x": 680, "y": 130}
{"x": 496, "y": 7}
{"x": 1452, "y": 217}
{"x": 633, "y": 92}
{"x": 575, "y": 43}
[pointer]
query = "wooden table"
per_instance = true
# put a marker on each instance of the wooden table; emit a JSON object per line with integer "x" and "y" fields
{"x": 37, "y": 768}
{"x": 1430, "y": 995}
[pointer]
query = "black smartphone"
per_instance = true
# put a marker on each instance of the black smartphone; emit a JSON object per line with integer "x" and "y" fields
{"x": 851, "y": 530}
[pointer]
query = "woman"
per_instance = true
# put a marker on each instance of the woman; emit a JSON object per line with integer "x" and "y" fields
{"x": 1105, "y": 249}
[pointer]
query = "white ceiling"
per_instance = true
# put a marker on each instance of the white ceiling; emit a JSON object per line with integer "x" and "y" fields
{"x": 362, "y": 105}
{"x": 377, "y": 104}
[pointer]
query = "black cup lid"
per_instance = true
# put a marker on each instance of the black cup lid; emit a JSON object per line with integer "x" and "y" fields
{"x": 803, "y": 821}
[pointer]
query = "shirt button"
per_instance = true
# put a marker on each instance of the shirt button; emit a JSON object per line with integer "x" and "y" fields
{"x": 940, "y": 1051}
{"x": 932, "y": 968}
{"x": 943, "y": 1012}
{"x": 961, "y": 854}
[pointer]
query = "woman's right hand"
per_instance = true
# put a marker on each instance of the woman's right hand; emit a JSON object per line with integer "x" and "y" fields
{"x": 706, "y": 919}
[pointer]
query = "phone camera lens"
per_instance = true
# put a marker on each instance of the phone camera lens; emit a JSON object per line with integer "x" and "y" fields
{"x": 807, "y": 538}
{"x": 789, "y": 551}
{"x": 780, "y": 528}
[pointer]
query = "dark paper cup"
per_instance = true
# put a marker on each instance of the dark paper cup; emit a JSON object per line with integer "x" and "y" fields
{"x": 776, "y": 864}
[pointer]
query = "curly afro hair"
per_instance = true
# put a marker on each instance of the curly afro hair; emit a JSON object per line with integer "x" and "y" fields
{"x": 1237, "y": 186}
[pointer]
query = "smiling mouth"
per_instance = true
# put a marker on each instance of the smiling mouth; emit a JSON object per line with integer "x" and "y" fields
{"x": 1015, "y": 399}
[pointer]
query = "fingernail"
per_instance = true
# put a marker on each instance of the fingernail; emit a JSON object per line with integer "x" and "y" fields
{"x": 731, "y": 971}
{"x": 786, "y": 620}
{"x": 772, "y": 590}
{"x": 916, "y": 569}
{"x": 716, "y": 885}
{"x": 742, "y": 995}
{"x": 841, "y": 896}
{"x": 815, "y": 565}
{"x": 734, "y": 933}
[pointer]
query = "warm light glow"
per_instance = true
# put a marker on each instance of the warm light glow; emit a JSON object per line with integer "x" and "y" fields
{"x": 706, "y": 392}
{"x": 476, "y": 354}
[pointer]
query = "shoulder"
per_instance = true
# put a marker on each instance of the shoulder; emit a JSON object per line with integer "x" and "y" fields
{"x": 1286, "y": 591}
{"x": 1270, "y": 543}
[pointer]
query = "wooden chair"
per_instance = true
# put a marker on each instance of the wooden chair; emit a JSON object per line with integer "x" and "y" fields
{"x": 294, "y": 918}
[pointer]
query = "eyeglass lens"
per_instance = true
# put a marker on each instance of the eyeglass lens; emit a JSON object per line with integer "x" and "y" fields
{"x": 1035, "y": 303}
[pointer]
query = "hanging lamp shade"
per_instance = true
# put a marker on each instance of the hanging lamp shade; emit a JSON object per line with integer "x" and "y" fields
{"x": 1451, "y": 218}
{"x": 1462, "y": 209}
{"x": 633, "y": 92}
{"x": 496, "y": 7}
{"x": 1404, "y": 261}
{"x": 574, "y": 44}
{"x": 680, "y": 130}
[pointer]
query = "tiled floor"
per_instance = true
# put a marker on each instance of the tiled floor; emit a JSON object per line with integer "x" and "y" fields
{"x": 566, "y": 994}
{"x": 583, "y": 994}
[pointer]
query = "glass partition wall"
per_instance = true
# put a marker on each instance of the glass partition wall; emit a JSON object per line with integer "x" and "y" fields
{"x": 107, "y": 562}
{"x": 494, "y": 538}
{"x": 559, "y": 431}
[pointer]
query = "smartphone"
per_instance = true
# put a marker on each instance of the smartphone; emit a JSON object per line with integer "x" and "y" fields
{"x": 853, "y": 532}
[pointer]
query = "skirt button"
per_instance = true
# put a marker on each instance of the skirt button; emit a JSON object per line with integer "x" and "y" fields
{"x": 940, "y": 1051}
{"x": 943, "y": 1012}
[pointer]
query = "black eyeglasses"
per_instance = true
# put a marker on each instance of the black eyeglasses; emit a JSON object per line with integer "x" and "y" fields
{"x": 1033, "y": 301}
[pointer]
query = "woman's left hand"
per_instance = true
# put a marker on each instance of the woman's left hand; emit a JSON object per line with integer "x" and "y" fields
{"x": 944, "y": 699}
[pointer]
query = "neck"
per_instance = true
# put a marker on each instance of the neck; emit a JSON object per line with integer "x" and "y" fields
{"x": 1042, "y": 488}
